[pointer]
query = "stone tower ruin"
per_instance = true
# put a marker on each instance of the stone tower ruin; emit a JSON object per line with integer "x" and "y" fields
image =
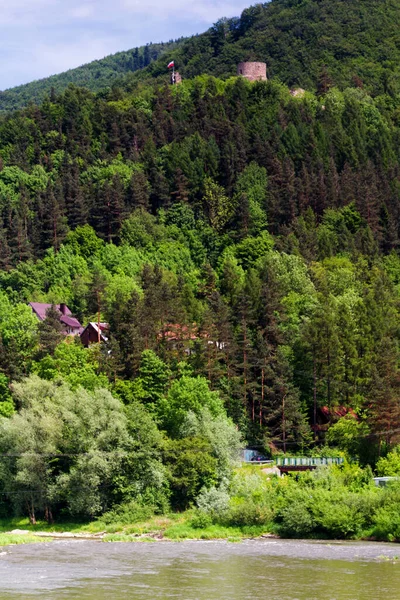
{"x": 253, "y": 71}
{"x": 176, "y": 78}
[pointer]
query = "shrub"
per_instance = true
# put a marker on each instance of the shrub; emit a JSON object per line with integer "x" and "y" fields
{"x": 201, "y": 520}
{"x": 296, "y": 520}
{"x": 190, "y": 467}
{"x": 341, "y": 520}
{"x": 133, "y": 512}
{"x": 389, "y": 466}
{"x": 243, "y": 513}
{"x": 213, "y": 501}
{"x": 387, "y": 524}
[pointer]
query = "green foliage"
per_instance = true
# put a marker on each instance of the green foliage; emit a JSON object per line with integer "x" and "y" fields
{"x": 127, "y": 514}
{"x": 7, "y": 408}
{"x": 251, "y": 188}
{"x": 191, "y": 467}
{"x": 70, "y": 448}
{"x": 240, "y": 241}
{"x": 389, "y": 466}
{"x": 220, "y": 208}
{"x": 332, "y": 502}
{"x": 83, "y": 241}
{"x": 213, "y": 502}
{"x": 18, "y": 331}
{"x": 153, "y": 378}
{"x": 222, "y": 435}
{"x": 250, "y": 250}
{"x": 348, "y": 435}
{"x": 297, "y": 519}
{"x": 50, "y": 331}
{"x": 76, "y": 365}
{"x": 386, "y": 521}
{"x": 184, "y": 395}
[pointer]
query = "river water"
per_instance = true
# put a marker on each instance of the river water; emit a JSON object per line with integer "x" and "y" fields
{"x": 254, "y": 570}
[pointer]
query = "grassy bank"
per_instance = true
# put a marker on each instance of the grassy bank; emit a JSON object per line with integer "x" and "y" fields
{"x": 169, "y": 527}
{"x": 339, "y": 502}
{"x": 8, "y": 539}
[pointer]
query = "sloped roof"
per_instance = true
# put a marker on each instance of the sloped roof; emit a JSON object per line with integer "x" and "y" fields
{"x": 70, "y": 322}
{"x": 40, "y": 308}
{"x": 66, "y": 318}
{"x": 104, "y": 328}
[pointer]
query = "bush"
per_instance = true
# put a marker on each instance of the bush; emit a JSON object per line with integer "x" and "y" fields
{"x": 243, "y": 513}
{"x": 386, "y": 519}
{"x": 387, "y": 524}
{"x": 213, "y": 501}
{"x": 389, "y": 466}
{"x": 341, "y": 520}
{"x": 190, "y": 467}
{"x": 133, "y": 512}
{"x": 296, "y": 520}
{"x": 201, "y": 520}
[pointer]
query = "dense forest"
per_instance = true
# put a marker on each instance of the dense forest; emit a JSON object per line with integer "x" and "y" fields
{"x": 242, "y": 244}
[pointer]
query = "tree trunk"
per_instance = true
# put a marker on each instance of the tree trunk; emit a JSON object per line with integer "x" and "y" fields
{"x": 262, "y": 394}
{"x": 315, "y": 395}
{"x": 31, "y": 512}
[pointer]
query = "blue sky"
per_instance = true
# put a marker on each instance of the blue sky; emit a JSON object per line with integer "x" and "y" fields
{"x": 42, "y": 37}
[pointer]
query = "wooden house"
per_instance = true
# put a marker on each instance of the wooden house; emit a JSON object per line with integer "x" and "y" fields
{"x": 70, "y": 325}
{"x": 95, "y": 333}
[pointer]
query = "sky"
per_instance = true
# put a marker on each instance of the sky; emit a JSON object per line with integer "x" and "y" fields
{"x": 39, "y": 38}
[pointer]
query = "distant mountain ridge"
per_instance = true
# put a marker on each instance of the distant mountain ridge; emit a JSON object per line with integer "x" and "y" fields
{"x": 306, "y": 43}
{"x": 95, "y": 76}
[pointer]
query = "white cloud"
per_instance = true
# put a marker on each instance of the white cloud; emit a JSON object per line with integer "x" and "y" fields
{"x": 21, "y": 12}
{"x": 83, "y": 12}
{"x": 42, "y": 37}
{"x": 207, "y": 10}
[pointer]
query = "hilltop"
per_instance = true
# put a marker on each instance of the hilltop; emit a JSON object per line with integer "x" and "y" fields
{"x": 95, "y": 76}
{"x": 306, "y": 43}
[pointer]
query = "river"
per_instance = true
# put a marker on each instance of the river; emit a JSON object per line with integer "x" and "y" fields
{"x": 254, "y": 570}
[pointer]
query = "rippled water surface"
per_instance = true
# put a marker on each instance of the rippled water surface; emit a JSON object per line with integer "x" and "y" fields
{"x": 256, "y": 570}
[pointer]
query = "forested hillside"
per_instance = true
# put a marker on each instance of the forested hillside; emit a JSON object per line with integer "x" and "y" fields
{"x": 308, "y": 43}
{"x": 95, "y": 76}
{"x": 263, "y": 221}
{"x": 242, "y": 244}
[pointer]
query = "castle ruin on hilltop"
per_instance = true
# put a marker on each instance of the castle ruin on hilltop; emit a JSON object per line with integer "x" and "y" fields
{"x": 253, "y": 71}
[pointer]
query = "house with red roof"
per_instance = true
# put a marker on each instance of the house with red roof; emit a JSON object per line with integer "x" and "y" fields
{"x": 94, "y": 333}
{"x": 71, "y": 326}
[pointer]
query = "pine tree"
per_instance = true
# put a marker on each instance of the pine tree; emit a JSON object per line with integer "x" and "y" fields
{"x": 5, "y": 252}
{"x": 383, "y": 398}
{"x": 75, "y": 203}
{"x": 138, "y": 195}
{"x": 53, "y": 226}
{"x": 110, "y": 210}
{"x": 50, "y": 332}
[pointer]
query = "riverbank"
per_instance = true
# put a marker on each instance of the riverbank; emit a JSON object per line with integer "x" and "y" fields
{"x": 339, "y": 502}
{"x": 168, "y": 528}
{"x": 172, "y": 527}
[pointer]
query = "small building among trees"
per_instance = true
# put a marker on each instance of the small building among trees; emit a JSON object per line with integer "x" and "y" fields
{"x": 69, "y": 324}
{"x": 94, "y": 333}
